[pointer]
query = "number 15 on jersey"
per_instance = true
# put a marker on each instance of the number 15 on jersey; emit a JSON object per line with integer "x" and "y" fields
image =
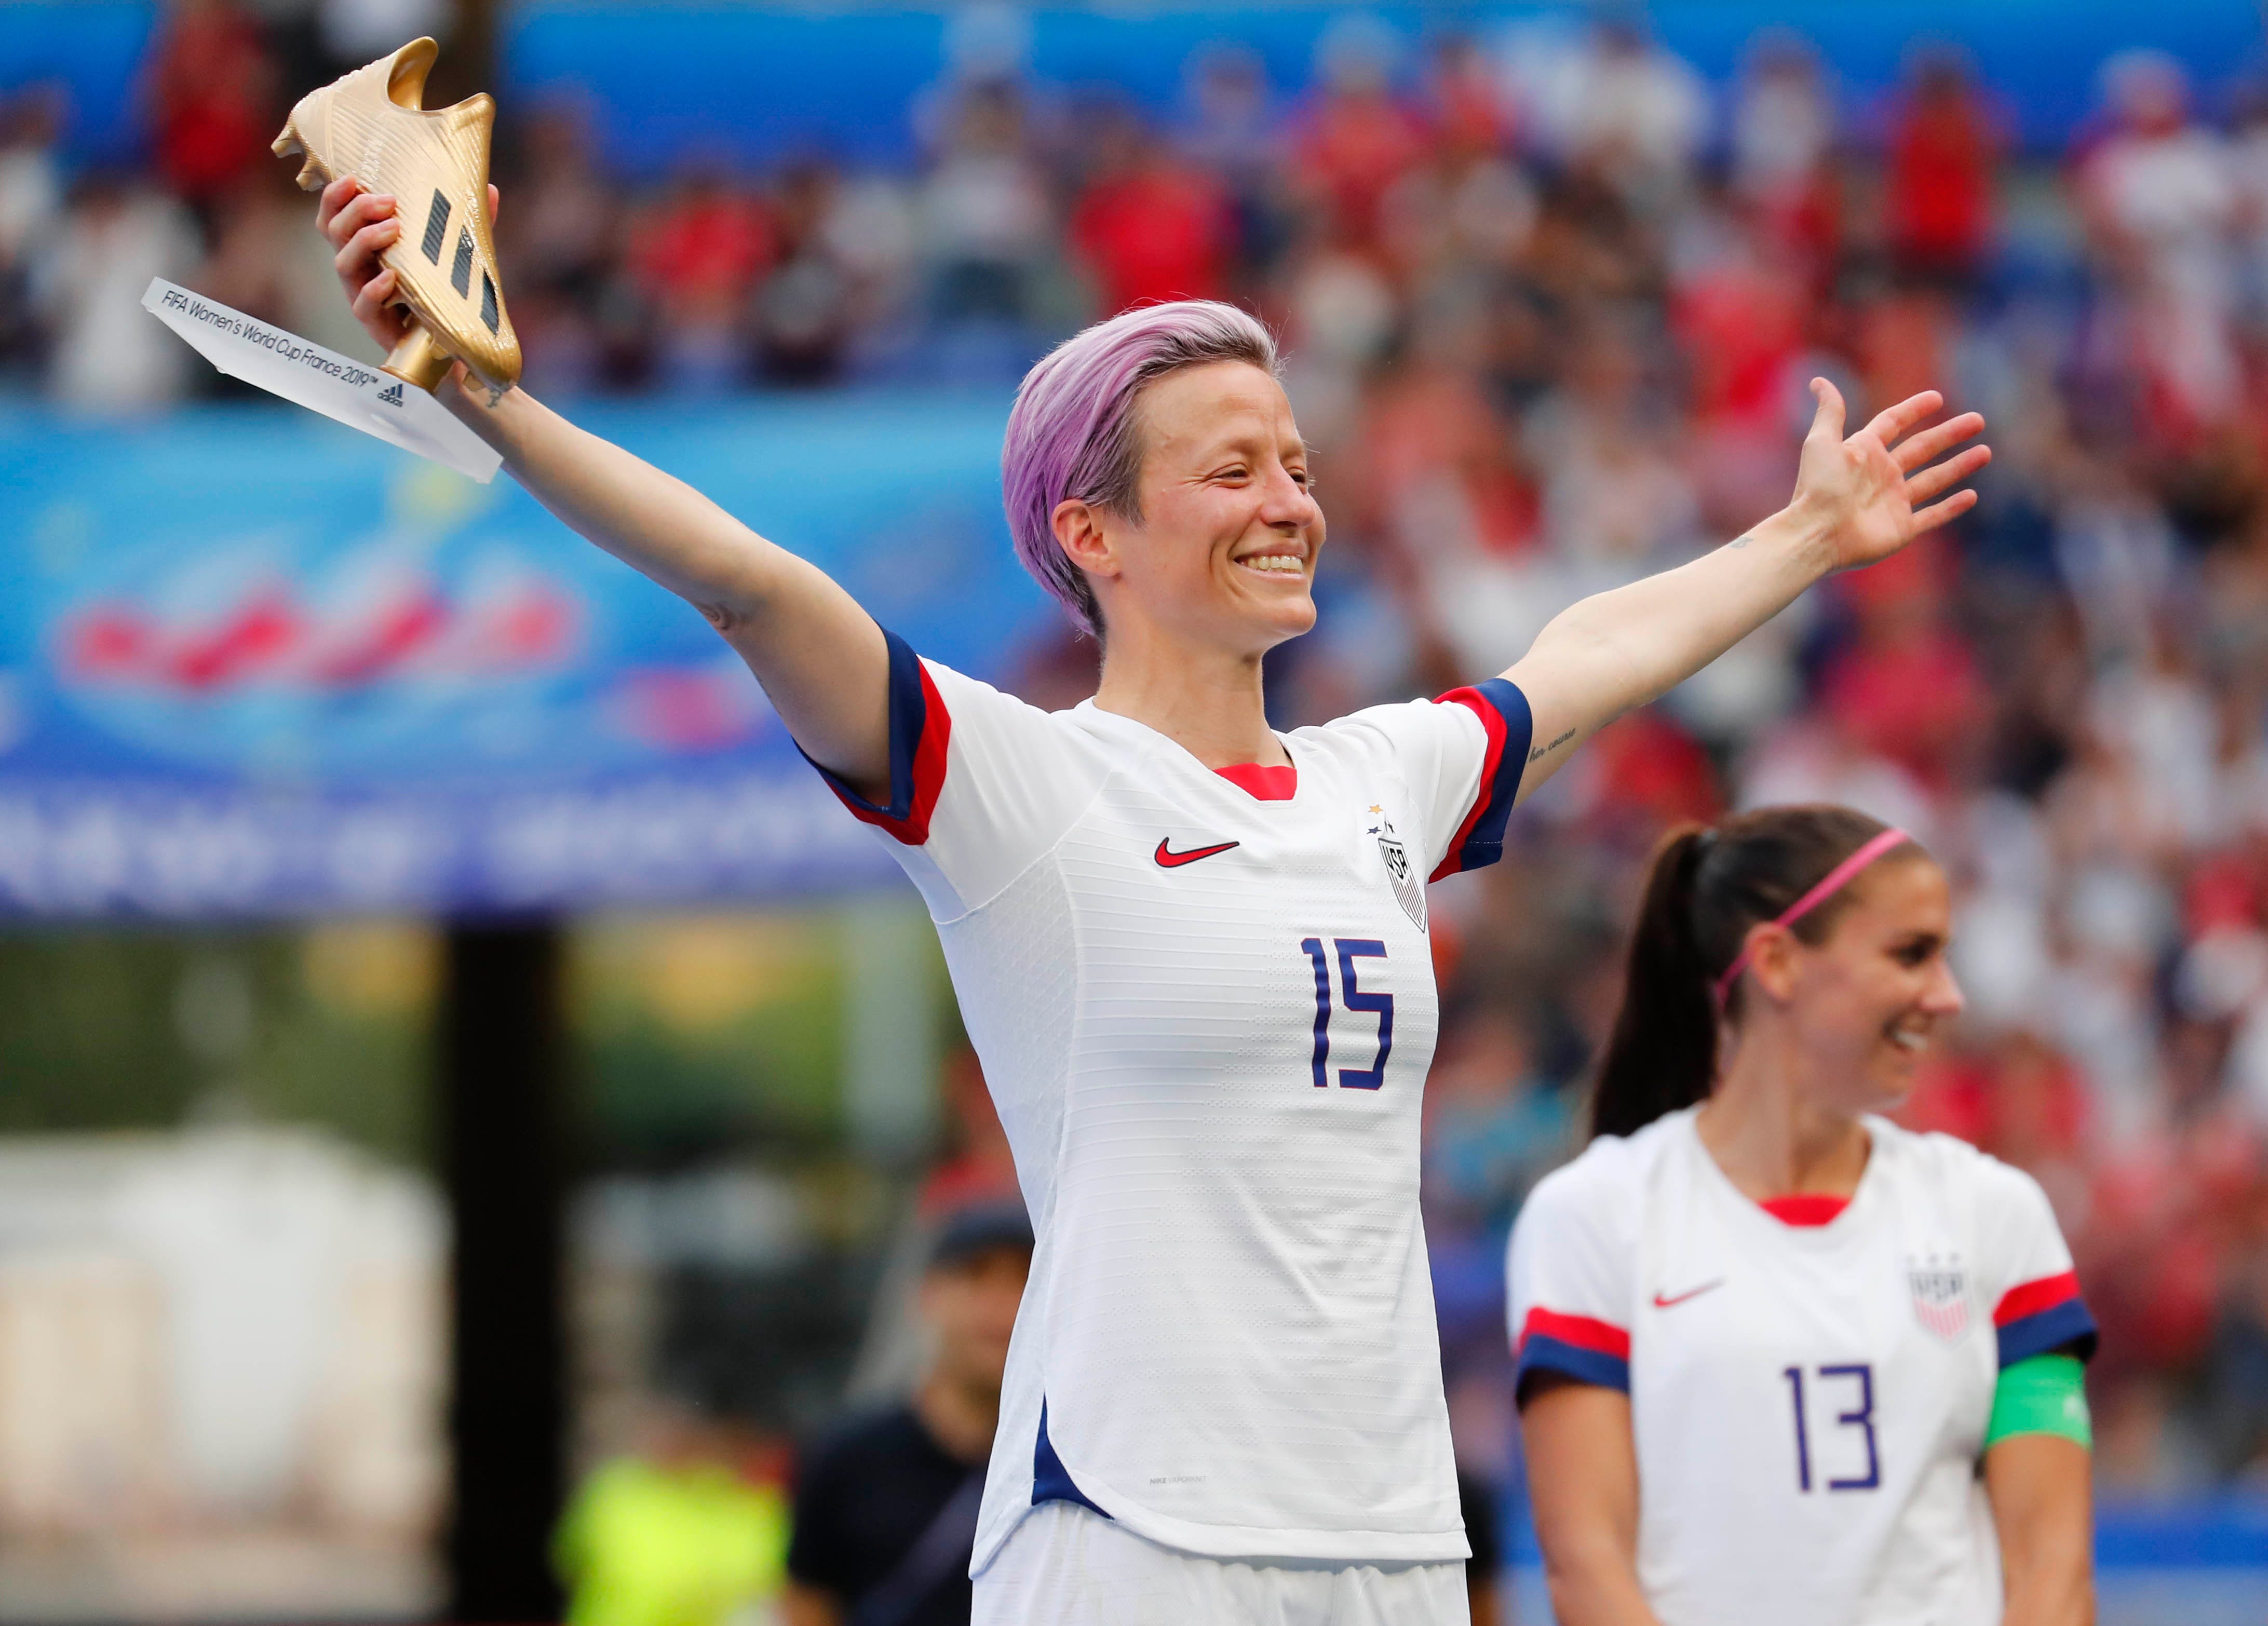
{"x": 1352, "y": 998}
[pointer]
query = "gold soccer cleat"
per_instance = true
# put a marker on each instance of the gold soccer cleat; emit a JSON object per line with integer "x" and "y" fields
{"x": 371, "y": 124}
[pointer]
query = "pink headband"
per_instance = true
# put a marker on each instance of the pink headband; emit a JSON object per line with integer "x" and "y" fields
{"x": 1832, "y": 883}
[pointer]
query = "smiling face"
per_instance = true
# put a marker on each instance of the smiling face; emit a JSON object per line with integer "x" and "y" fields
{"x": 1224, "y": 552}
{"x": 1865, "y": 1000}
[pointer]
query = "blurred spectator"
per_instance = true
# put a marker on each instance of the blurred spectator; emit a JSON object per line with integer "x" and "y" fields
{"x": 886, "y": 1506}
{"x": 1462, "y": 216}
{"x": 1906, "y": 688}
{"x": 2163, "y": 203}
{"x": 986, "y": 218}
{"x": 1231, "y": 125}
{"x": 1942, "y": 152}
{"x": 697, "y": 254}
{"x": 31, "y": 206}
{"x": 213, "y": 99}
{"x": 1615, "y": 490}
{"x": 106, "y": 354}
{"x": 1472, "y": 109}
{"x": 1148, "y": 228}
{"x": 2248, "y": 168}
{"x": 1230, "y": 128}
{"x": 1356, "y": 139}
{"x": 557, "y": 224}
{"x": 1783, "y": 142}
{"x": 1783, "y": 122}
{"x": 869, "y": 236}
{"x": 355, "y": 31}
{"x": 558, "y": 233}
{"x": 692, "y": 1531}
{"x": 806, "y": 308}
{"x": 1636, "y": 116}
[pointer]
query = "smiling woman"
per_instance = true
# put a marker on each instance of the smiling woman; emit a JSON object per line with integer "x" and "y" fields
{"x": 1812, "y": 1370}
{"x": 1191, "y": 952}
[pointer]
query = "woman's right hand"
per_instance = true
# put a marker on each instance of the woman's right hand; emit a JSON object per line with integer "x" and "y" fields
{"x": 360, "y": 227}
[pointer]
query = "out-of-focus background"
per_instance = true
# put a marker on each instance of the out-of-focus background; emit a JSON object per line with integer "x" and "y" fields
{"x": 386, "y": 877}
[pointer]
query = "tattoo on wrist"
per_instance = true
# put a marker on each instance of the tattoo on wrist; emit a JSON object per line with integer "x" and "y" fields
{"x": 496, "y": 392}
{"x": 1545, "y": 750}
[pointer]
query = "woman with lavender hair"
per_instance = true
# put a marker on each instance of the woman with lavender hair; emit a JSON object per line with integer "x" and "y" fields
{"x": 1191, "y": 952}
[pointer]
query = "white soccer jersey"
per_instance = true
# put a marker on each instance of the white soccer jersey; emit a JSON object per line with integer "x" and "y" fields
{"x": 1206, "y": 1016}
{"x": 1809, "y": 1401}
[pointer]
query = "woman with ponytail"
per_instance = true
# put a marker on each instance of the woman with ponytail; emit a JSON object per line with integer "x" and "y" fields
{"x": 1780, "y": 1362}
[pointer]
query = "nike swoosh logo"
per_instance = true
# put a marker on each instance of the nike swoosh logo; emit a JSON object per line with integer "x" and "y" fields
{"x": 1660, "y": 1303}
{"x": 1168, "y": 860}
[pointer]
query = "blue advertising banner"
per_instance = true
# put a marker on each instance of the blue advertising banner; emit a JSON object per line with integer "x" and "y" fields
{"x": 252, "y": 662}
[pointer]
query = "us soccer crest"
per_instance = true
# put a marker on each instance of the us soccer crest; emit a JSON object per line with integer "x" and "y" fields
{"x": 1941, "y": 1296}
{"x": 1408, "y": 887}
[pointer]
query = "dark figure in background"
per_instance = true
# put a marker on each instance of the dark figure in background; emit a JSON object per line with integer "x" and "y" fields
{"x": 886, "y": 1506}
{"x": 1485, "y": 1570}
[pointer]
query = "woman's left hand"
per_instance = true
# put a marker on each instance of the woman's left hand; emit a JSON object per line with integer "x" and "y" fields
{"x": 1866, "y": 495}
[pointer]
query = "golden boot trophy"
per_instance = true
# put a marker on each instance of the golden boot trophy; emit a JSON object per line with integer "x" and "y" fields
{"x": 371, "y": 124}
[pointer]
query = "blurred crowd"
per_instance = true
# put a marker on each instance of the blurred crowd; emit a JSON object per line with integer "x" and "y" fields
{"x": 1551, "y": 302}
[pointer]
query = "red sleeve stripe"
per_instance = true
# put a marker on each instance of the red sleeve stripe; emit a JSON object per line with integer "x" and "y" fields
{"x": 1493, "y": 722}
{"x": 1504, "y": 718}
{"x": 1582, "y": 1331}
{"x": 2031, "y": 1298}
{"x": 929, "y": 761}
{"x": 921, "y": 731}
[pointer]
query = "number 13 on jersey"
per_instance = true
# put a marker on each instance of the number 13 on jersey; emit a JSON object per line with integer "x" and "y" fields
{"x": 1351, "y": 998}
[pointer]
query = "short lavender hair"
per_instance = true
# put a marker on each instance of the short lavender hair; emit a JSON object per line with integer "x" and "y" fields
{"x": 1074, "y": 434}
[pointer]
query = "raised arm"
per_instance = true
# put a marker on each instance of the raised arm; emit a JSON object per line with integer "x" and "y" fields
{"x": 818, "y": 656}
{"x": 1857, "y": 501}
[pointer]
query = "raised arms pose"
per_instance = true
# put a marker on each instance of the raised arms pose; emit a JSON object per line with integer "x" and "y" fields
{"x": 1230, "y": 476}
{"x": 1184, "y": 1057}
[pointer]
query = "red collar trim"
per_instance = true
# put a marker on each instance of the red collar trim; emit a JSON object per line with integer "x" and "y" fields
{"x": 1805, "y": 1209}
{"x": 1262, "y": 784}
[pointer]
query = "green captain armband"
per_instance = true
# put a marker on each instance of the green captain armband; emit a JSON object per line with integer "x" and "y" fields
{"x": 2041, "y": 1395}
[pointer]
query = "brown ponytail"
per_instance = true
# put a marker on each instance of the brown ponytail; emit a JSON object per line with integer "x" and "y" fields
{"x": 1663, "y": 1054}
{"x": 1706, "y": 888}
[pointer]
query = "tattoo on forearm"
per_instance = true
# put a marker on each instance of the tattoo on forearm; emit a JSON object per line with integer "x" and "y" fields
{"x": 1740, "y": 541}
{"x": 1543, "y": 751}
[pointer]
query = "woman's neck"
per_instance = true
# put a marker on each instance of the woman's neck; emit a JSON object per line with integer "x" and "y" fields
{"x": 1771, "y": 1136}
{"x": 1206, "y": 701}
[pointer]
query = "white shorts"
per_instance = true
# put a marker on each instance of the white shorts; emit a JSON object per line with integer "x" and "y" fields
{"x": 1065, "y": 1566}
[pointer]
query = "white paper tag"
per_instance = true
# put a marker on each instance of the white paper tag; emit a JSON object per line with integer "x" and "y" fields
{"x": 322, "y": 380}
